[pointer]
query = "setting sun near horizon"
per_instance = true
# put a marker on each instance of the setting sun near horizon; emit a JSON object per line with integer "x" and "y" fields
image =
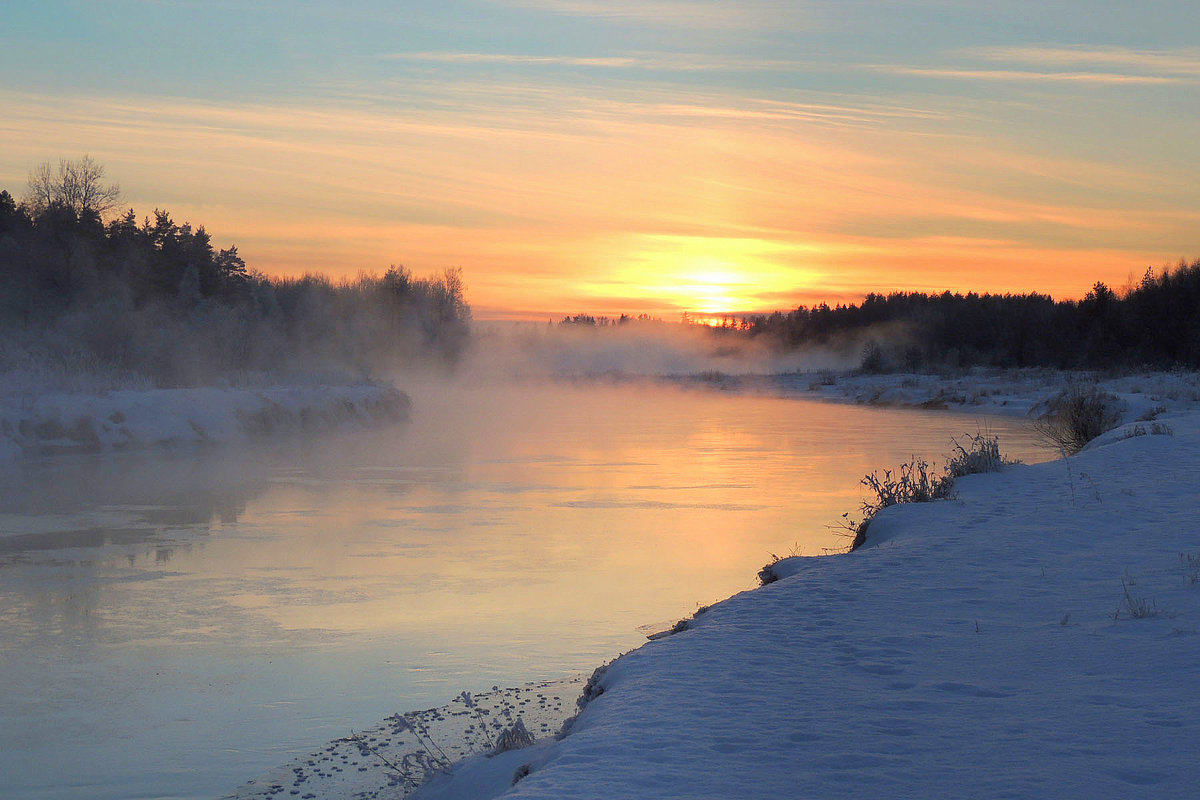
{"x": 665, "y": 158}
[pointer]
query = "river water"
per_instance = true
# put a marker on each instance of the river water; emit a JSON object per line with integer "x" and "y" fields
{"x": 173, "y": 623}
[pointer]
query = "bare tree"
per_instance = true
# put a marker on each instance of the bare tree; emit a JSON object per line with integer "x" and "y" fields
{"x": 77, "y": 185}
{"x": 41, "y": 188}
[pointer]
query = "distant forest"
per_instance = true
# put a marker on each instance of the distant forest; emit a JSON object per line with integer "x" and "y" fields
{"x": 1154, "y": 324}
{"x": 155, "y": 303}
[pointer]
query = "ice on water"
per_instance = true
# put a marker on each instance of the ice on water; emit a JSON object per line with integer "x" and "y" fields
{"x": 402, "y": 752}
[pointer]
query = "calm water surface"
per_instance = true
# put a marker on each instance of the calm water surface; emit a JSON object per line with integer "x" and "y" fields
{"x": 174, "y": 623}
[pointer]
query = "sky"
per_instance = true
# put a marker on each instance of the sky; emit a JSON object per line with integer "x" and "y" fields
{"x": 657, "y": 156}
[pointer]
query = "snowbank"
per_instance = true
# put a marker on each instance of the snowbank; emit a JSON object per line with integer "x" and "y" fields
{"x": 1035, "y": 637}
{"x": 995, "y": 391}
{"x": 116, "y": 420}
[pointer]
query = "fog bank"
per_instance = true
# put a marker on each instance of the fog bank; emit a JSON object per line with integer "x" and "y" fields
{"x": 651, "y": 348}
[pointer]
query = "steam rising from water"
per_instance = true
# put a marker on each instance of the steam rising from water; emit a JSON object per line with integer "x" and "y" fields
{"x": 535, "y": 350}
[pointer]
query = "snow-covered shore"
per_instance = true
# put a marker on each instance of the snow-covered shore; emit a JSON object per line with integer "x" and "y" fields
{"x": 1009, "y": 392}
{"x": 1036, "y": 636}
{"x": 59, "y": 422}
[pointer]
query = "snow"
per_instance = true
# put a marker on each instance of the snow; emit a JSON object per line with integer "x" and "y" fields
{"x": 1034, "y": 636}
{"x": 58, "y": 422}
{"x": 1012, "y": 392}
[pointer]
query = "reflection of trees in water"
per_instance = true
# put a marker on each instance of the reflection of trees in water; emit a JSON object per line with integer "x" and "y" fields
{"x": 81, "y": 505}
{"x": 51, "y": 616}
{"x": 79, "y": 532}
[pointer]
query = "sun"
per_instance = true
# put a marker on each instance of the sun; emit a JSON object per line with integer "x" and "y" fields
{"x": 711, "y": 288}
{"x": 704, "y": 277}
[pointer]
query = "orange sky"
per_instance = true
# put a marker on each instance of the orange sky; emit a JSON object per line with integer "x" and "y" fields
{"x": 770, "y": 162}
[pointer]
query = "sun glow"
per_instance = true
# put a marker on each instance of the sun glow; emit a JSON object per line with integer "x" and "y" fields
{"x": 707, "y": 277}
{"x": 711, "y": 288}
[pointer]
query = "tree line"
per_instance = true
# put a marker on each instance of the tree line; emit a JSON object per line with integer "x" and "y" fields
{"x": 1155, "y": 323}
{"x": 157, "y": 301}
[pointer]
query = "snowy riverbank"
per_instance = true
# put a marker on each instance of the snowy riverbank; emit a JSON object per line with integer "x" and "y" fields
{"x": 1010, "y": 392}
{"x": 64, "y": 422}
{"x": 1036, "y": 636}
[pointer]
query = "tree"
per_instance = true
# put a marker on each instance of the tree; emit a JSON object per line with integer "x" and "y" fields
{"x": 76, "y": 185}
{"x": 12, "y": 216}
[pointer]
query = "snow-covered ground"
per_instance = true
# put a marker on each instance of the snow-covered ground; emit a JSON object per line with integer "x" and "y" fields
{"x": 57, "y": 422}
{"x": 1035, "y": 636}
{"x": 996, "y": 391}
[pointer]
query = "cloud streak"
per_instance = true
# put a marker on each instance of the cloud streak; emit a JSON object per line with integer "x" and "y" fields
{"x": 1028, "y": 76}
{"x": 665, "y": 62}
{"x": 684, "y": 14}
{"x": 617, "y": 62}
{"x": 1184, "y": 62}
{"x": 1066, "y": 64}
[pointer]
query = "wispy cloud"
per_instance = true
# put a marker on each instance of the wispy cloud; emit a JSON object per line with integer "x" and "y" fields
{"x": 674, "y": 62}
{"x": 711, "y": 14}
{"x": 1012, "y": 75}
{"x": 1163, "y": 63}
{"x": 1066, "y": 64}
{"x": 510, "y": 58}
{"x": 633, "y": 104}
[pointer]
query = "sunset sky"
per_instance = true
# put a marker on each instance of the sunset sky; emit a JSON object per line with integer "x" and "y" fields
{"x": 659, "y": 156}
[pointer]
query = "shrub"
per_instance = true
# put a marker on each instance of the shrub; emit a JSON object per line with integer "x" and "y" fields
{"x": 915, "y": 483}
{"x": 1075, "y": 416}
{"x": 1134, "y": 606}
{"x": 1153, "y": 429}
{"x": 983, "y": 455}
{"x": 767, "y": 574}
{"x": 871, "y": 362}
{"x": 1152, "y": 413}
{"x": 514, "y": 738}
{"x": 594, "y": 686}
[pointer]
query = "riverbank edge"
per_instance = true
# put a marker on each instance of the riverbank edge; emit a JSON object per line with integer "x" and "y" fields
{"x": 1003, "y": 392}
{"x": 78, "y": 422}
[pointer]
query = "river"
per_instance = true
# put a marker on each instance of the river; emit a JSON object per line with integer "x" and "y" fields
{"x": 175, "y": 622}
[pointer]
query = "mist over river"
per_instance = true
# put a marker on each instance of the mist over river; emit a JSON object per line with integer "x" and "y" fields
{"x": 174, "y": 622}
